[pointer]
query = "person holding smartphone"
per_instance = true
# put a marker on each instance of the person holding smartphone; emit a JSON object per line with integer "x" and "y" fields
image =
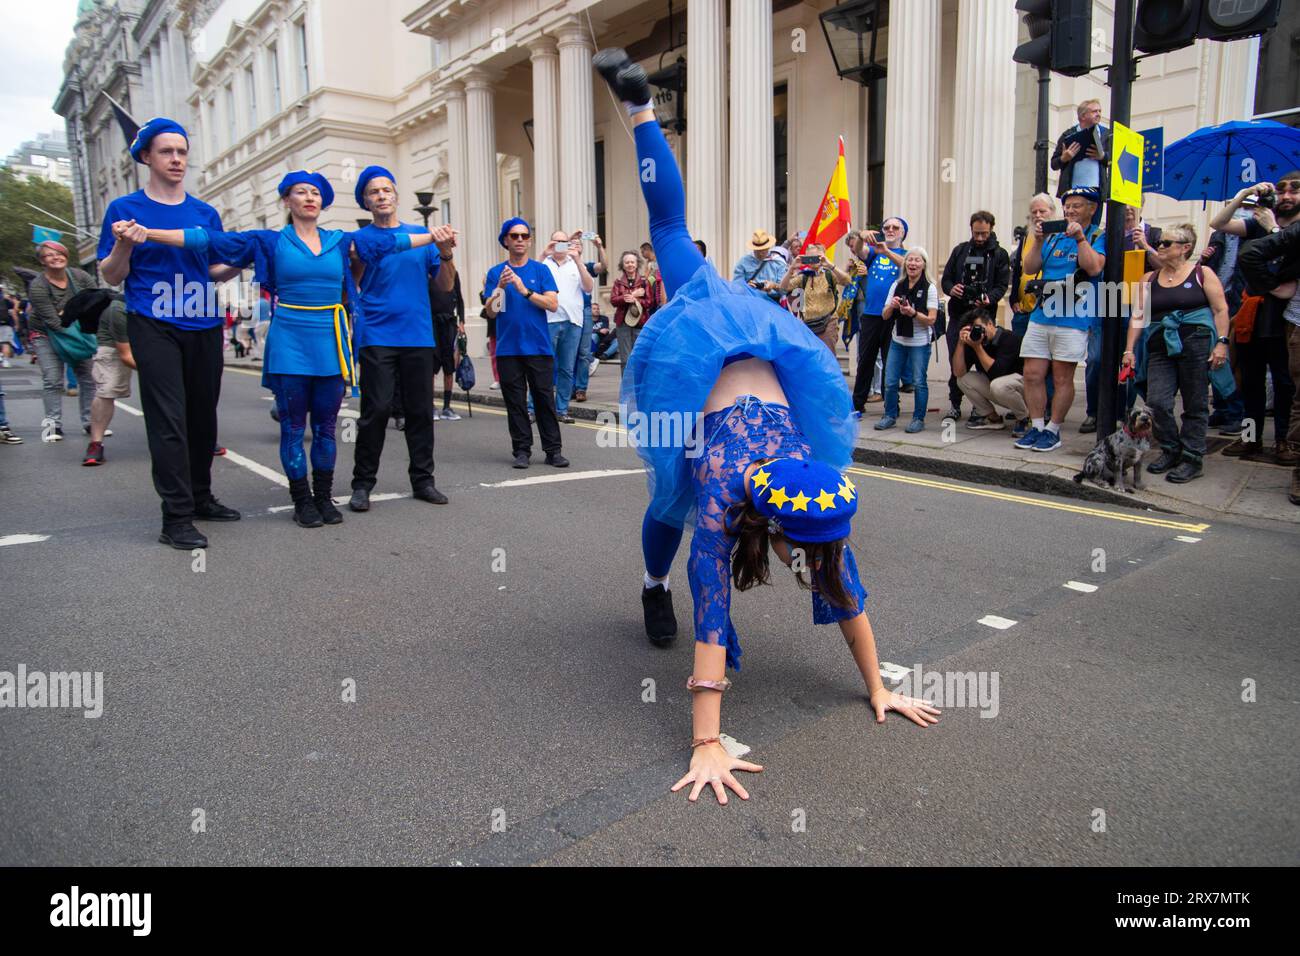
{"x": 820, "y": 283}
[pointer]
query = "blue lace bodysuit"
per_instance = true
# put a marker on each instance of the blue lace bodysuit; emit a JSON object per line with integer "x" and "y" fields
{"x": 736, "y": 437}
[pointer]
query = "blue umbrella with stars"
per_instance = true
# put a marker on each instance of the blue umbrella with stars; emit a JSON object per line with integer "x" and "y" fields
{"x": 1215, "y": 163}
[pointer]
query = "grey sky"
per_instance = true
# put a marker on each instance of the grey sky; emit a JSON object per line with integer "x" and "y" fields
{"x": 35, "y": 35}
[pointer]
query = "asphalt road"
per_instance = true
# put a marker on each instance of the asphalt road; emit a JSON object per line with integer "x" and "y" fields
{"x": 501, "y": 715}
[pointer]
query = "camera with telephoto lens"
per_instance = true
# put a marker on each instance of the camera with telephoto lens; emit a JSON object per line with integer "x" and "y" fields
{"x": 973, "y": 279}
{"x": 976, "y": 332}
{"x": 1266, "y": 200}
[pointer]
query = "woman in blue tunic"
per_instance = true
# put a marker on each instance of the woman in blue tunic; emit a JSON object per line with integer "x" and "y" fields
{"x": 307, "y": 360}
{"x": 772, "y": 430}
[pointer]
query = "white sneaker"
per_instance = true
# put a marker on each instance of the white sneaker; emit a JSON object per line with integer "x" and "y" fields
{"x": 495, "y": 385}
{"x": 447, "y": 415}
{"x": 595, "y": 364}
{"x": 4, "y": 363}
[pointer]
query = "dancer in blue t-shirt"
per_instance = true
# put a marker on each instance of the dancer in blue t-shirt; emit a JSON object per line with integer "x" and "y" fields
{"x": 175, "y": 328}
{"x": 777, "y": 430}
{"x": 394, "y": 340}
{"x": 518, "y": 293}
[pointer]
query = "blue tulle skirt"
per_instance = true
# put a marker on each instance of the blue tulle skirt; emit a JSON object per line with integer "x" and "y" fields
{"x": 676, "y": 362}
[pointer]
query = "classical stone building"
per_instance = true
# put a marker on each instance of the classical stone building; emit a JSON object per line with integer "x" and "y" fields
{"x": 493, "y": 108}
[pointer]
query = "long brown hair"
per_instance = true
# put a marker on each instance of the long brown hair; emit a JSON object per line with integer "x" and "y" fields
{"x": 749, "y": 564}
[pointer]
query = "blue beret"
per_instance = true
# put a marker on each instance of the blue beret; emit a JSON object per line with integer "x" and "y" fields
{"x": 145, "y": 134}
{"x": 1090, "y": 193}
{"x": 809, "y": 500}
{"x": 312, "y": 178}
{"x": 367, "y": 174}
{"x": 510, "y": 224}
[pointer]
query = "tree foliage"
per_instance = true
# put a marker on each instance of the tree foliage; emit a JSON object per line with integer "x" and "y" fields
{"x": 16, "y": 217}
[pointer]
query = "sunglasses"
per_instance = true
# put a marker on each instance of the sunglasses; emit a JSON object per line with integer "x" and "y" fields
{"x": 1166, "y": 243}
{"x": 519, "y": 235}
{"x": 1289, "y": 186}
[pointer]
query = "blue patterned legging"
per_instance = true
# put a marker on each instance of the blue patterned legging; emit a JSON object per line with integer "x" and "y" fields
{"x": 295, "y": 397}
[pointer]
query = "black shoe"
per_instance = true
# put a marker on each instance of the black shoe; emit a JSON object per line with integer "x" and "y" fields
{"x": 556, "y": 460}
{"x": 182, "y": 536}
{"x": 1185, "y": 472}
{"x": 214, "y": 510}
{"x": 360, "y": 499}
{"x": 1089, "y": 425}
{"x": 625, "y": 78}
{"x": 522, "y": 459}
{"x": 429, "y": 493}
{"x": 1167, "y": 460}
{"x": 305, "y": 514}
{"x": 322, "y": 495}
{"x": 660, "y": 621}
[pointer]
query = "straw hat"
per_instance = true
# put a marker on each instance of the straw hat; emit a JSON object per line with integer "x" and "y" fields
{"x": 762, "y": 239}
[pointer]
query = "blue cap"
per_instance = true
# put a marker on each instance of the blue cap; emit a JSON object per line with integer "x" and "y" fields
{"x": 1090, "y": 193}
{"x": 312, "y": 178}
{"x": 145, "y": 134}
{"x": 367, "y": 174}
{"x": 808, "y": 500}
{"x": 510, "y": 224}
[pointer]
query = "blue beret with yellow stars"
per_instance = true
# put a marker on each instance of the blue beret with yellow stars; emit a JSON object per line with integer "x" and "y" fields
{"x": 809, "y": 500}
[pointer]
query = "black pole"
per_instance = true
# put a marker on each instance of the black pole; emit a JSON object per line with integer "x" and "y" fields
{"x": 1121, "y": 94}
{"x": 1043, "y": 143}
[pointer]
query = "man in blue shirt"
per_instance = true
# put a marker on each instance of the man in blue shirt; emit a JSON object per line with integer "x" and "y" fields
{"x": 518, "y": 293}
{"x": 1057, "y": 335}
{"x": 175, "y": 328}
{"x": 393, "y": 338}
{"x": 879, "y": 261}
{"x": 759, "y": 268}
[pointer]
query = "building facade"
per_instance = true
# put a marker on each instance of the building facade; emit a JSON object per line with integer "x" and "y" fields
{"x": 493, "y": 108}
{"x": 45, "y": 157}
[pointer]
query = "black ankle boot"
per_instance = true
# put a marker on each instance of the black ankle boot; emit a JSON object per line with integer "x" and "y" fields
{"x": 1167, "y": 460}
{"x": 660, "y": 621}
{"x": 625, "y": 78}
{"x": 304, "y": 509}
{"x": 322, "y": 495}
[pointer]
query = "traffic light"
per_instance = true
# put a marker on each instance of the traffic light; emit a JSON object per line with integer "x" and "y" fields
{"x": 1164, "y": 25}
{"x": 1060, "y": 35}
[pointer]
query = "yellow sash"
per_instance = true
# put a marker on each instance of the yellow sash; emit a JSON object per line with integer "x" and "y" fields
{"x": 347, "y": 363}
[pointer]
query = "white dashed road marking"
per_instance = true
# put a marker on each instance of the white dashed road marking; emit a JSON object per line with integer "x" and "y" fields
{"x": 574, "y": 476}
{"x": 9, "y": 539}
{"x": 1000, "y": 623}
{"x": 384, "y": 496}
{"x": 270, "y": 474}
{"x": 129, "y": 409}
{"x": 1081, "y": 586}
{"x": 1186, "y": 537}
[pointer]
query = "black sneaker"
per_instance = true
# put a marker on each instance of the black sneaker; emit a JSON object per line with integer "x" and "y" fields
{"x": 521, "y": 459}
{"x": 660, "y": 621}
{"x": 1185, "y": 472}
{"x": 628, "y": 81}
{"x": 214, "y": 510}
{"x": 9, "y": 438}
{"x": 182, "y": 536}
{"x": 429, "y": 493}
{"x": 556, "y": 460}
{"x": 1167, "y": 460}
{"x": 954, "y": 413}
{"x": 1089, "y": 425}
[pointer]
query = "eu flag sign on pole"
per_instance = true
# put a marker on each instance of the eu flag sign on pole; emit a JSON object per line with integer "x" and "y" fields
{"x": 1127, "y": 152}
{"x": 1153, "y": 159}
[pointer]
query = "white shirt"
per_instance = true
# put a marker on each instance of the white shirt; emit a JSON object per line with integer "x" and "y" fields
{"x": 921, "y": 334}
{"x": 568, "y": 280}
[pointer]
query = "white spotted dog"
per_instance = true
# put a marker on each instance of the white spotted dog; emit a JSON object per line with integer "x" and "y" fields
{"x": 1121, "y": 450}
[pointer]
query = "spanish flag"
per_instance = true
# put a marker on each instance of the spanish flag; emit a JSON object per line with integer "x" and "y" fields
{"x": 832, "y": 220}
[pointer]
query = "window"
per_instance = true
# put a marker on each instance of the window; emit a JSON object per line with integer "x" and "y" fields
{"x": 600, "y": 190}
{"x": 230, "y": 115}
{"x": 210, "y": 127}
{"x": 781, "y": 125}
{"x": 300, "y": 28}
{"x": 1277, "y": 82}
{"x": 446, "y": 211}
{"x": 516, "y": 198}
{"x": 273, "y": 66}
{"x": 876, "y": 150}
{"x": 250, "y": 87}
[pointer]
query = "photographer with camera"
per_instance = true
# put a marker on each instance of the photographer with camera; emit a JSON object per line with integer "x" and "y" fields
{"x": 977, "y": 275}
{"x": 988, "y": 365}
{"x": 820, "y": 282}
{"x": 1276, "y": 207}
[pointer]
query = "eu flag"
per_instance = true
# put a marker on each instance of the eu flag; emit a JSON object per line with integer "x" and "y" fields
{"x": 1153, "y": 160}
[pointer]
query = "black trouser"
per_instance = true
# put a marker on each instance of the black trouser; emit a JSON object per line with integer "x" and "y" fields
{"x": 380, "y": 395}
{"x": 519, "y": 375}
{"x": 1257, "y": 358}
{"x": 180, "y": 382}
{"x": 873, "y": 339}
{"x": 1189, "y": 374}
{"x": 952, "y": 334}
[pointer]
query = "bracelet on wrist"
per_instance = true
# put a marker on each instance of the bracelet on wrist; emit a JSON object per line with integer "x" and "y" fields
{"x": 701, "y": 741}
{"x": 695, "y": 686}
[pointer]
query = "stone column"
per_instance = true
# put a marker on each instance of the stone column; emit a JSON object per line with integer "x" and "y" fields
{"x": 985, "y": 117}
{"x": 706, "y": 117}
{"x": 912, "y": 119}
{"x": 751, "y": 188}
{"x": 577, "y": 129}
{"x": 546, "y": 136}
{"x": 479, "y": 216}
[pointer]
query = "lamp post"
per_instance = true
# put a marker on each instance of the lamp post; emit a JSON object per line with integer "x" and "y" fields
{"x": 852, "y": 32}
{"x": 425, "y": 208}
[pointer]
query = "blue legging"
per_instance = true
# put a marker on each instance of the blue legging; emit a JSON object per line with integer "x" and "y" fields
{"x": 295, "y": 397}
{"x": 679, "y": 259}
